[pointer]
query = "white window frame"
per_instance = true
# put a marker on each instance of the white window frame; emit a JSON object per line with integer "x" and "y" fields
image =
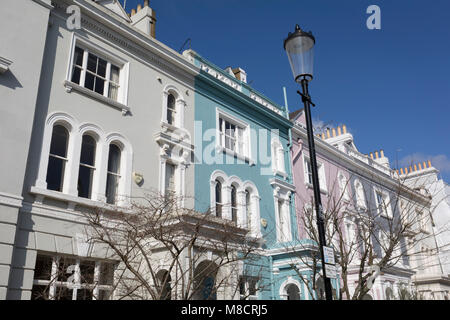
{"x": 386, "y": 209}
{"x": 278, "y": 157}
{"x": 180, "y": 106}
{"x": 53, "y": 283}
{"x": 320, "y": 171}
{"x": 111, "y": 58}
{"x": 70, "y": 191}
{"x": 244, "y": 154}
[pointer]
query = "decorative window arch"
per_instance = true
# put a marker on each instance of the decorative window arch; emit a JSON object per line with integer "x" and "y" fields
{"x": 69, "y": 123}
{"x": 237, "y": 200}
{"x": 173, "y": 107}
{"x": 83, "y": 165}
{"x": 290, "y": 289}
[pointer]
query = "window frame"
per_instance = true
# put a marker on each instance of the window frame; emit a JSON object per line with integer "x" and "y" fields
{"x": 386, "y": 210}
{"x": 53, "y": 283}
{"x": 224, "y": 117}
{"x": 320, "y": 171}
{"x": 111, "y": 59}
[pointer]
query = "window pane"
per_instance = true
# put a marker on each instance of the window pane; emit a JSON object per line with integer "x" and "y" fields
{"x": 113, "y": 91}
{"x": 111, "y": 188}
{"x": 106, "y": 274}
{"x": 170, "y": 177}
{"x": 87, "y": 271}
{"x": 92, "y": 63}
{"x": 101, "y": 68}
{"x": 89, "y": 81}
{"x": 84, "y": 294}
{"x": 39, "y": 292}
{"x": 114, "y": 158}
{"x": 99, "y": 85}
{"x": 55, "y": 173}
{"x": 88, "y": 147}
{"x": 78, "y": 56}
{"x": 85, "y": 177}
{"x": 114, "y": 74}
{"x": 76, "y": 72}
{"x": 58, "y": 145}
{"x": 43, "y": 268}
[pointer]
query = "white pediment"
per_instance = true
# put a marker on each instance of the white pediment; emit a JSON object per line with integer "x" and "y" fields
{"x": 114, "y": 6}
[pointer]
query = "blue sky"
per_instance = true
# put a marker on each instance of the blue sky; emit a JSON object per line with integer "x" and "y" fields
{"x": 391, "y": 87}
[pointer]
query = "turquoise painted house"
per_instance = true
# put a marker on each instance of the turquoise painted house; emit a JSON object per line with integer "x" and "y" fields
{"x": 243, "y": 173}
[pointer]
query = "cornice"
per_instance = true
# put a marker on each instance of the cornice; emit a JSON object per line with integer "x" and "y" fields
{"x": 359, "y": 166}
{"x": 130, "y": 38}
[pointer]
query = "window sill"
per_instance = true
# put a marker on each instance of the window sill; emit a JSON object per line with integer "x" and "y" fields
{"x": 310, "y": 186}
{"x": 280, "y": 173}
{"x": 386, "y": 216}
{"x": 72, "y": 200}
{"x": 235, "y": 154}
{"x": 69, "y": 85}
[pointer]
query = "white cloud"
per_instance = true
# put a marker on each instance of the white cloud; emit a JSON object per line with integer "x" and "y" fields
{"x": 440, "y": 162}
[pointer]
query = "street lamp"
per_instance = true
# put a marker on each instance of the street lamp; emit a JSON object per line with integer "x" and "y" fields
{"x": 299, "y": 47}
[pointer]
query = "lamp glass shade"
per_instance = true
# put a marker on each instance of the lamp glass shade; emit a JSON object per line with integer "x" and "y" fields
{"x": 299, "y": 47}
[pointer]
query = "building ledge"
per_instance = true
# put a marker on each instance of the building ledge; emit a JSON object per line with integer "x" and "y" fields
{"x": 73, "y": 201}
{"x": 4, "y": 65}
{"x": 69, "y": 85}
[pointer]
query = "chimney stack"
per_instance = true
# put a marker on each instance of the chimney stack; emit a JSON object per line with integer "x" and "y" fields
{"x": 144, "y": 19}
{"x": 240, "y": 74}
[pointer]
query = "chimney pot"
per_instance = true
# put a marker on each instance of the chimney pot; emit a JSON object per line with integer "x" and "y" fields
{"x": 323, "y": 136}
{"x": 376, "y": 154}
{"x": 133, "y": 12}
{"x": 406, "y": 170}
{"x": 328, "y": 133}
{"x": 381, "y": 153}
{"x": 139, "y": 7}
{"x": 401, "y": 171}
{"x": 371, "y": 155}
{"x": 339, "y": 132}
{"x": 429, "y": 163}
{"x": 146, "y": 4}
{"x": 344, "y": 128}
{"x": 415, "y": 167}
{"x": 334, "y": 132}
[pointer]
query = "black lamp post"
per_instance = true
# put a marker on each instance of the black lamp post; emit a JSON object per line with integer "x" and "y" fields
{"x": 299, "y": 47}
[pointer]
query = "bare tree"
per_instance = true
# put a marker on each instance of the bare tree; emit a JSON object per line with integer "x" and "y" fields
{"x": 368, "y": 235}
{"x": 165, "y": 251}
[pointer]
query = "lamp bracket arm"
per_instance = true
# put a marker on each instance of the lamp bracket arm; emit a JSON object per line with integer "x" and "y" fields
{"x": 306, "y": 98}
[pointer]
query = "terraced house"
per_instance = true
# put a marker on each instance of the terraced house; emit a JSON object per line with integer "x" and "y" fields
{"x": 131, "y": 171}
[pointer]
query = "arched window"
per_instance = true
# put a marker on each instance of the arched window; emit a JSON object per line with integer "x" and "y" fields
{"x": 218, "y": 199}
{"x": 233, "y": 204}
{"x": 292, "y": 292}
{"x": 171, "y": 109}
{"x": 113, "y": 174}
{"x": 57, "y": 158}
{"x": 87, "y": 166}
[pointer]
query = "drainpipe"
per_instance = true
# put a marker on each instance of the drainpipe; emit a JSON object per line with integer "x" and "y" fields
{"x": 272, "y": 288}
